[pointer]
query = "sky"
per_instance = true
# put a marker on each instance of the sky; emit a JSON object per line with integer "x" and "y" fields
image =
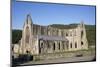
{"x": 50, "y": 13}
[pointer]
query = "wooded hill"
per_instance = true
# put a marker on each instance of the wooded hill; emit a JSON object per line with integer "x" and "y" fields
{"x": 90, "y": 31}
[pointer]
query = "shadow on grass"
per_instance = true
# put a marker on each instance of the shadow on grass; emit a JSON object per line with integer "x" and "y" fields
{"x": 21, "y": 59}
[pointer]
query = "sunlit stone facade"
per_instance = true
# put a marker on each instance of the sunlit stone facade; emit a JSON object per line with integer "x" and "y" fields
{"x": 37, "y": 39}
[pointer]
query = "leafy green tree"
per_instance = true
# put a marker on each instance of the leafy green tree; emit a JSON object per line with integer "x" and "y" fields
{"x": 16, "y": 36}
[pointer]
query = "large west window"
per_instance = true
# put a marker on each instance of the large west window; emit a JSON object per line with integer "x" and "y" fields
{"x": 27, "y": 34}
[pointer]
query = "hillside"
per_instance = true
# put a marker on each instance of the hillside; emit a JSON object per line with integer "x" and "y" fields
{"x": 16, "y": 36}
{"x": 91, "y": 34}
{"x": 90, "y": 31}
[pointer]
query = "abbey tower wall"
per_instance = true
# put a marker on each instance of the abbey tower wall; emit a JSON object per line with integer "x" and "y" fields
{"x": 37, "y": 39}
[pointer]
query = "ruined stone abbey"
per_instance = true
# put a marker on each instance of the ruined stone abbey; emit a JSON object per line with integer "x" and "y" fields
{"x": 37, "y": 39}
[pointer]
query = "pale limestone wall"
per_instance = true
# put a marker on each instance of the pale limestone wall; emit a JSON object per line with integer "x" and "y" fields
{"x": 30, "y": 46}
{"x": 16, "y": 48}
{"x": 36, "y": 46}
{"x": 51, "y": 49}
{"x": 84, "y": 38}
{"x": 72, "y": 35}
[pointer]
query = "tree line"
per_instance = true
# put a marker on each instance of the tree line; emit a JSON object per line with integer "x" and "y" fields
{"x": 90, "y": 31}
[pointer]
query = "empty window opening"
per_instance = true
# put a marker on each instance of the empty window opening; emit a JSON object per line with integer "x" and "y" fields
{"x": 66, "y": 34}
{"x": 27, "y": 52}
{"x": 75, "y": 45}
{"x": 41, "y": 45}
{"x": 70, "y": 45}
{"x": 27, "y": 34}
{"x": 54, "y": 46}
{"x": 81, "y": 33}
{"x": 81, "y": 42}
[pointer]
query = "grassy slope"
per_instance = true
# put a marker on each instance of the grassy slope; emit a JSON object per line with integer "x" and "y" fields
{"x": 90, "y": 31}
{"x": 91, "y": 34}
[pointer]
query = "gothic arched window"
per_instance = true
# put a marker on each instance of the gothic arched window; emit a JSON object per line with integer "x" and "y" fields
{"x": 81, "y": 42}
{"x": 27, "y": 34}
{"x": 70, "y": 45}
{"x": 41, "y": 45}
{"x": 66, "y": 34}
{"x": 53, "y": 46}
{"x": 75, "y": 45}
{"x": 81, "y": 33}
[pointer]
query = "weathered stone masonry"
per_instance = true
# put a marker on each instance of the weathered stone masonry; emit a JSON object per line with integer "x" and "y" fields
{"x": 38, "y": 39}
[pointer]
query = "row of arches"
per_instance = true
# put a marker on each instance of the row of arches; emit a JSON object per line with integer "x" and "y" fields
{"x": 52, "y": 46}
{"x": 76, "y": 45}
